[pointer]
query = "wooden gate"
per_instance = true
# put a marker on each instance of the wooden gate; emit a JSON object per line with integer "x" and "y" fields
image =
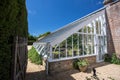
{"x": 19, "y": 57}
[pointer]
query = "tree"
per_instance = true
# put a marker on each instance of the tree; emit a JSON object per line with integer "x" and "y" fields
{"x": 31, "y": 39}
{"x": 43, "y": 35}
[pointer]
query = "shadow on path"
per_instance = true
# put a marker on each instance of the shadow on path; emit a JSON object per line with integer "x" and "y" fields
{"x": 41, "y": 75}
{"x": 65, "y": 75}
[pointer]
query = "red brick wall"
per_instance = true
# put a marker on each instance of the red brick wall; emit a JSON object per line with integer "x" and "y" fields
{"x": 113, "y": 30}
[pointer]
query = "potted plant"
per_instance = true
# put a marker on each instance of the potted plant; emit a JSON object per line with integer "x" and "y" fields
{"x": 82, "y": 64}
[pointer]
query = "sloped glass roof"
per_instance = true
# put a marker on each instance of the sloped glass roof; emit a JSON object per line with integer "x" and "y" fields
{"x": 69, "y": 29}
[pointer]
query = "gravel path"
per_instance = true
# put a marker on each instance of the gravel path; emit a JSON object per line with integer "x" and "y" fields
{"x": 105, "y": 71}
{"x": 29, "y": 47}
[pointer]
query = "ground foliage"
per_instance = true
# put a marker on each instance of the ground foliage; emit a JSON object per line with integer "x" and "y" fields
{"x": 34, "y": 56}
{"x": 112, "y": 59}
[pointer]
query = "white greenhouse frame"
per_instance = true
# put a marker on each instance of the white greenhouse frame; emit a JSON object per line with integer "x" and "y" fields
{"x": 96, "y": 41}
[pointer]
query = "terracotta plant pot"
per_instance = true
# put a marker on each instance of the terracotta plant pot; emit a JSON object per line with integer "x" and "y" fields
{"x": 82, "y": 68}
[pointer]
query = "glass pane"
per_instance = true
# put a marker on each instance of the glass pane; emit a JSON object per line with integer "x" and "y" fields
{"x": 80, "y": 45}
{"x": 39, "y": 47}
{"x": 99, "y": 22}
{"x": 75, "y": 44}
{"x": 105, "y": 44}
{"x": 92, "y": 28}
{"x": 89, "y": 29}
{"x": 89, "y": 39}
{"x": 49, "y": 52}
{"x": 80, "y": 30}
{"x": 85, "y": 29}
{"x": 69, "y": 46}
{"x": 55, "y": 52}
{"x": 102, "y": 28}
{"x": 92, "y": 45}
{"x": 85, "y": 49}
{"x": 85, "y": 44}
{"x": 63, "y": 49}
{"x": 89, "y": 43}
{"x": 89, "y": 49}
{"x": 97, "y": 27}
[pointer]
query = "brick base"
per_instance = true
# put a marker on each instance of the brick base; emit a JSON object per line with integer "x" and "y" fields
{"x": 59, "y": 66}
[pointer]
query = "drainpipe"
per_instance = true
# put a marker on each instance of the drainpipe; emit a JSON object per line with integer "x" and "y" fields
{"x": 47, "y": 66}
{"x": 47, "y": 63}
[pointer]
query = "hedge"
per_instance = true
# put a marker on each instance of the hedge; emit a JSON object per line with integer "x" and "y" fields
{"x": 13, "y": 22}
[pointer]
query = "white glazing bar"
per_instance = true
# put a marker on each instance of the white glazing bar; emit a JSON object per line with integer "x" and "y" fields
{"x": 59, "y": 51}
{"x": 68, "y": 58}
{"x": 91, "y": 40}
{"x": 78, "y": 44}
{"x": 72, "y": 45}
{"x": 94, "y": 24}
{"x": 102, "y": 25}
{"x": 99, "y": 25}
{"x": 92, "y": 37}
{"x": 39, "y": 48}
{"x": 105, "y": 26}
{"x": 83, "y": 42}
{"x": 66, "y": 48}
{"x": 86, "y": 40}
{"x": 51, "y": 57}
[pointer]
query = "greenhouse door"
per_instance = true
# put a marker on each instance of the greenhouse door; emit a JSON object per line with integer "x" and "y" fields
{"x": 100, "y": 50}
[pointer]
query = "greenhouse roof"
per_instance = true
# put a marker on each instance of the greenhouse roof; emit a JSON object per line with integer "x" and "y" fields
{"x": 69, "y": 29}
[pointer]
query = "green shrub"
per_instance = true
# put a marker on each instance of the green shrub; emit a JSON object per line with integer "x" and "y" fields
{"x": 75, "y": 65}
{"x": 107, "y": 58}
{"x": 34, "y": 56}
{"x": 82, "y": 63}
{"x": 30, "y": 42}
{"x": 112, "y": 59}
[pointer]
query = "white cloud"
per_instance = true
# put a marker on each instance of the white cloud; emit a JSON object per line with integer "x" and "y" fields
{"x": 32, "y": 12}
{"x": 99, "y": 2}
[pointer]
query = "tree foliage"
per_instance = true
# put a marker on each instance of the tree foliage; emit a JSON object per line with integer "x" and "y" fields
{"x": 43, "y": 35}
{"x": 31, "y": 39}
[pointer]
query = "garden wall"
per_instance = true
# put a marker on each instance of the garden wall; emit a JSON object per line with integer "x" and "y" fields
{"x": 113, "y": 29}
{"x": 59, "y": 66}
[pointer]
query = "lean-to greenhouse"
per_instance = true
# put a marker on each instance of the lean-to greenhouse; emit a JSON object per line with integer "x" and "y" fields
{"x": 86, "y": 38}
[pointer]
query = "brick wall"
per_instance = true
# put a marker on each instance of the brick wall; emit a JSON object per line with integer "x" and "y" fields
{"x": 59, "y": 66}
{"x": 113, "y": 30}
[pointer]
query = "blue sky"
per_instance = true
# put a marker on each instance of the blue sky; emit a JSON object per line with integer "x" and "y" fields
{"x": 49, "y": 15}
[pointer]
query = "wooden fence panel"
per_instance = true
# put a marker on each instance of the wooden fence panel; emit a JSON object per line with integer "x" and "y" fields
{"x": 19, "y": 58}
